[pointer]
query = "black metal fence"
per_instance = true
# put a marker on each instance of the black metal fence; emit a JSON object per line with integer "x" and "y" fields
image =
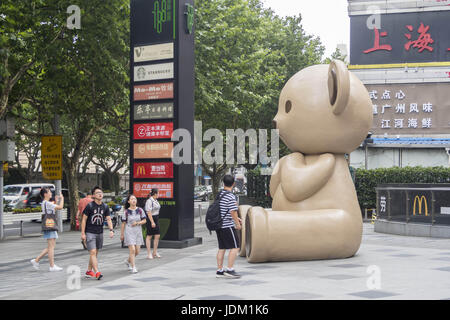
{"x": 258, "y": 189}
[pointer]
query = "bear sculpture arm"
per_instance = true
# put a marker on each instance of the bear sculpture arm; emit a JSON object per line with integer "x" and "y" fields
{"x": 299, "y": 180}
{"x": 275, "y": 179}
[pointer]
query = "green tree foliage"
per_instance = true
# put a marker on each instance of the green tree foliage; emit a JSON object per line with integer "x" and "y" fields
{"x": 79, "y": 74}
{"x": 336, "y": 55}
{"x": 244, "y": 54}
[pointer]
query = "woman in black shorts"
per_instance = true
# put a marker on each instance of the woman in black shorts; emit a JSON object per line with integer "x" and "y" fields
{"x": 152, "y": 207}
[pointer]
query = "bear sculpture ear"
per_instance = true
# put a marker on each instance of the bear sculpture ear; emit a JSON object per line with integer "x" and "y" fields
{"x": 338, "y": 86}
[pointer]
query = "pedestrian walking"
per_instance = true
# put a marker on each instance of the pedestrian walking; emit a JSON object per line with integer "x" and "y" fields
{"x": 152, "y": 207}
{"x": 50, "y": 232}
{"x": 131, "y": 231}
{"x": 95, "y": 213}
{"x": 81, "y": 205}
{"x": 227, "y": 235}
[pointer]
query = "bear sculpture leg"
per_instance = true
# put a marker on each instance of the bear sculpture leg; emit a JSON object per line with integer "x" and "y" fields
{"x": 301, "y": 235}
{"x": 242, "y": 213}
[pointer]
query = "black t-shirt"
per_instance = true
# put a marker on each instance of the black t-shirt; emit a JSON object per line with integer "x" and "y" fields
{"x": 96, "y": 215}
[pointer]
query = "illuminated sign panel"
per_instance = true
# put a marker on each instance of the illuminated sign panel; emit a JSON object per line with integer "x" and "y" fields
{"x": 142, "y": 189}
{"x": 159, "y": 130}
{"x": 153, "y": 150}
{"x": 154, "y": 170}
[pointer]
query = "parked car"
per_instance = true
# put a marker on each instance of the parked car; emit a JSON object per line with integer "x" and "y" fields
{"x": 201, "y": 193}
{"x": 15, "y": 195}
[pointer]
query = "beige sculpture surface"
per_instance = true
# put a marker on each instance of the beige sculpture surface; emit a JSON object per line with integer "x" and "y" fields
{"x": 324, "y": 112}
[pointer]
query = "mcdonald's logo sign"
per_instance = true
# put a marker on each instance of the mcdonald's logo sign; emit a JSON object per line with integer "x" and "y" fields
{"x": 140, "y": 171}
{"x": 420, "y": 200}
{"x": 160, "y": 170}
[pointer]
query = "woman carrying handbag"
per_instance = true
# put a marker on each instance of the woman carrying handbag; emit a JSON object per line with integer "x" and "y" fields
{"x": 49, "y": 228}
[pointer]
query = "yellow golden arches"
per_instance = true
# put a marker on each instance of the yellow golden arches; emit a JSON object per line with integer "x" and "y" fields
{"x": 420, "y": 200}
{"x": 140, "y": 171}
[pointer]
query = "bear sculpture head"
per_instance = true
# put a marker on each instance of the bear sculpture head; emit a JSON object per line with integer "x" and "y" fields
{"x": 324, "y": 108}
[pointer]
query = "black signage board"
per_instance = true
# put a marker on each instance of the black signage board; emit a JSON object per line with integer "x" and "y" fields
{"x": 415, "y": 203}
{"x": 162, "y": 33}
{"x": 415, "y": 37}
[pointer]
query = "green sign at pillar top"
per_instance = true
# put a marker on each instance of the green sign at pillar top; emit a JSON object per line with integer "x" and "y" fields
{"x": 163, "y": 14}
{"x": 189, "y": 13}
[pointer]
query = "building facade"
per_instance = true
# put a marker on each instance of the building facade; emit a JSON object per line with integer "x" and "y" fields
{"x": 401, "y": 51}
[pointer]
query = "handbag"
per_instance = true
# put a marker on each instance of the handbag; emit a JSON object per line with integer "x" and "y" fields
{"x": 48, "y": 221}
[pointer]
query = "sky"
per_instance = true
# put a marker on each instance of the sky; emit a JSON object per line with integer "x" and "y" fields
{"x": 327, "y": 19}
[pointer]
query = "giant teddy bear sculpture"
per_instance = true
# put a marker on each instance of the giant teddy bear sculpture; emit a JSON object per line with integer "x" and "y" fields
{"x": 324, "y": 112}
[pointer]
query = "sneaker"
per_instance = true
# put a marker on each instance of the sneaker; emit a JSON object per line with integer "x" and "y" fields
{"x": 98, "y": 275}
{"x": 231, "y": 274}
{"x": 35, "y": 264}
{"x": 134, "y": 270}
{"x": 128, "y": 265}
{"x": 90, "y": 274}
{"x": 220, "y": 274}
{"x": 55, "y": 268}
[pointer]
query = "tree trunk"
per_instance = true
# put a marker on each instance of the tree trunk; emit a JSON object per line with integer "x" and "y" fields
{"x": 72, "y": 184}
{"x": 216, "y": 172}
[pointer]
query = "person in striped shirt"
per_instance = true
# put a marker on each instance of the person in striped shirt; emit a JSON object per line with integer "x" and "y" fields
{"x": 227, "y": 236}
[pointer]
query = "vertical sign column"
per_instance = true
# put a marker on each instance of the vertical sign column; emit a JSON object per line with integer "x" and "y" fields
{"x": 162, "y": 100}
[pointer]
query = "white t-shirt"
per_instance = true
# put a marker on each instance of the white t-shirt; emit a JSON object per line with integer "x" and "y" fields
{"x": 153, "y": 206}
{"x": 49, "y": 206}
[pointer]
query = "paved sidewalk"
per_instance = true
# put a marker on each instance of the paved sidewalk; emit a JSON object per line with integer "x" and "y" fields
{"x": 408, "y": 268}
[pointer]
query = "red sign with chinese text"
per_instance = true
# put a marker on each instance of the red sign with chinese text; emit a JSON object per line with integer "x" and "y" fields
{"x": 153, "y": 91}
{"x": 158, "y": 170}
{"x": 142, "y": 189}
{"x": 407, "y": 37}
{"x": 161, "y": 130}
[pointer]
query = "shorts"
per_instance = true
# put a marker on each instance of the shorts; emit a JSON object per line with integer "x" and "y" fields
{"x": 228, "y": 238}
{"x": 152, "y": 231}
{"x": 50, "y": 235}
{"x": 94, "y": 241}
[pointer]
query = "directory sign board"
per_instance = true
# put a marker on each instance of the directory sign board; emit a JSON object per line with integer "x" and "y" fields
{"x": 158, "y": 150}
{"x": 153, "y": 72}
{"x": 153, "y": 111}
{"x": 153, "y": 52}
{"x": 156, "y": 130}
{"x": 152, "y": 170}
{"x": 153, "y": 91}
{"x": 165, "y": 189}
{"x": 162, "y": 94}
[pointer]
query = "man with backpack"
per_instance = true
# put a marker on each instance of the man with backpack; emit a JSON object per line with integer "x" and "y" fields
{"x": 225, "y": 226}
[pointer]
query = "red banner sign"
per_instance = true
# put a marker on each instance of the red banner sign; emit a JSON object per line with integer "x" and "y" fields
{"x": 142, "y": 189}
{"x": 153, "y": 91}
{"x": 157, "y": 170}
{"x": 161, "y": 130}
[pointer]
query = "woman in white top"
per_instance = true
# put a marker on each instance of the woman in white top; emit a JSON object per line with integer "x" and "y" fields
{"x": 51, "y": 236}
{"x": 152, "y": 207}
{"x": 131, "y": 232}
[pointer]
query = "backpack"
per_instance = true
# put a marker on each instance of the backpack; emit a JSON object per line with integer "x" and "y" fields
{"x": 213, "y": 217}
